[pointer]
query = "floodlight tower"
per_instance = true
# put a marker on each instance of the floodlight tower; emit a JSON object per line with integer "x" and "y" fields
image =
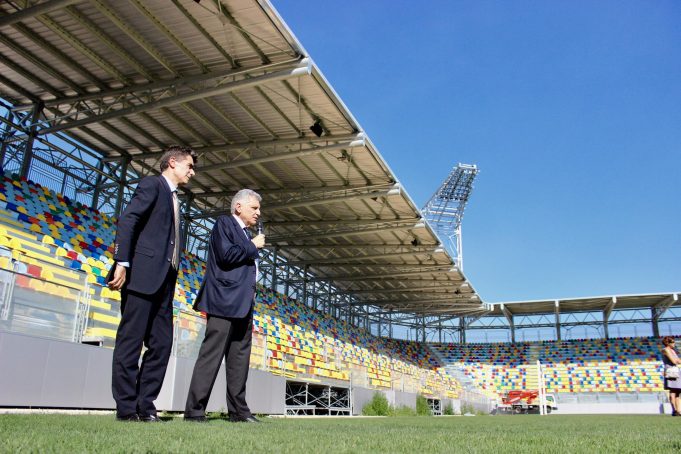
{"x": 444, "y": 210}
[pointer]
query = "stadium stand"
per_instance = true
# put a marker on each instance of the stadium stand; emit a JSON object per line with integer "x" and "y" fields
{"x": 624, "y": 365}
{"x": 61, "y": 251}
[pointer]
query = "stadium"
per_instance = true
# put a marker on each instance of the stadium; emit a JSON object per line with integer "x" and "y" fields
{"x": 361, "y": 292}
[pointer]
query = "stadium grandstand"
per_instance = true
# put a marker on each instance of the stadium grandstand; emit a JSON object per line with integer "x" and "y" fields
{"x": 359, "y": 290}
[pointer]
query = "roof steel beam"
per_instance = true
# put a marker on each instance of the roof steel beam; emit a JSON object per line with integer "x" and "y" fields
{"x": 507, "y": 313}
{"x": 660, "y": 308}
{"x": 289, "y": 155}
{"x": 320, "y": 222}
{"x": 425, "y": 289}
{"x": 321, "y": 199}
{"x": 458, "y": 299}
{"x": 609, "y": 307}
{"x": 351, "y": 260}
{"x": 416, "y": 302}
{"x": 386, "y": 276}
{"x": 162, "y": 85}
{"x": 35, "y": 10}
{"x": 350, "y": 195}
{"x": 255, "y": 145}
{"x": 277, "y": 239}
{"x": 301, "y": 69}
{"x": 386, "y": 248}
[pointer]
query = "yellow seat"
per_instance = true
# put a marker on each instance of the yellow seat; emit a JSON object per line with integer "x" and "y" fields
{"x": 5, "y": 262}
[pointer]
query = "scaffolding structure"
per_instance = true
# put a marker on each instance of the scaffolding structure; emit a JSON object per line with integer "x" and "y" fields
{"x": 444, "y": 211}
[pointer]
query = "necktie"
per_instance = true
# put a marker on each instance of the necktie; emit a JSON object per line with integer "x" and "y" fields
{"x": 247, "y": 232}
{"x": 176, "y": 251}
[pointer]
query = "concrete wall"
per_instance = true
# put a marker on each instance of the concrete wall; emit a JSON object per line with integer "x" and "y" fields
{"x": 37, "y": 372}
{"x": 46, "y": 373}
{"x": 614, "y": 408}
{"x": 360, "y": 397}
{"x": 265, "y": 393}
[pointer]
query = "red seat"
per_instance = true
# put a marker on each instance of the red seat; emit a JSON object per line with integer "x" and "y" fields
{"x": 34, "y": 270}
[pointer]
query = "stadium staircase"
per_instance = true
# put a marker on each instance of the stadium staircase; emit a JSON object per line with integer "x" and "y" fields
{"x": 455, "y": 371}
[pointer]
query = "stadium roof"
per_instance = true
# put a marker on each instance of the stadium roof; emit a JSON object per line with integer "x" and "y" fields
{"x": 229, "y": 79}
{"x": 658, "y": 301}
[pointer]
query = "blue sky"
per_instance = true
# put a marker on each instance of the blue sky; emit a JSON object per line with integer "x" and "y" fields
{"x": 570, "y": 109}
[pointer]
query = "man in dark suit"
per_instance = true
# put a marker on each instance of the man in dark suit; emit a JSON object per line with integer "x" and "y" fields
{"x": 227, "y": 296}
{"x": 147, "y": 256}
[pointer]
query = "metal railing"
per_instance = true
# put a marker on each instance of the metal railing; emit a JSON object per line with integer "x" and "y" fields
{"x": 40, "y": 307}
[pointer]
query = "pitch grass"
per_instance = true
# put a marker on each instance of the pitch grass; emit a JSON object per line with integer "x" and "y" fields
{"x": 497, "y": 434}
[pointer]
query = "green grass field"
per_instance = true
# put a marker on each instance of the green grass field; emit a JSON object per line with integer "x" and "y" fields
{"x": 526, "y": 433}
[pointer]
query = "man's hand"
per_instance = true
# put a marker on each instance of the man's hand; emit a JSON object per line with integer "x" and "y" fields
{"x": 118, "y": 278}
{"x": 259, "y": 241}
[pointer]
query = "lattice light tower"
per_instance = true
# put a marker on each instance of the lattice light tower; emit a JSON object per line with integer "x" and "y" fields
{"x": 444, "y": 210}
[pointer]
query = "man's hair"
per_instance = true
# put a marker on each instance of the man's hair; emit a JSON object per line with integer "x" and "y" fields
{"x": 177, "y": 152}
{"x": 666, "y": 340}
{"x": 243, "y": 196}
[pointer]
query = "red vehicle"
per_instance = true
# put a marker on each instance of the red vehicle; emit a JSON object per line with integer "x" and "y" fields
{"x": 525, "y": 401}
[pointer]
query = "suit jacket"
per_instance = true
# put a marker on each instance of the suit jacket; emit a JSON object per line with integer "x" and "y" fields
{"x": 145, "y": 236}
{"x": 228, "y": 288}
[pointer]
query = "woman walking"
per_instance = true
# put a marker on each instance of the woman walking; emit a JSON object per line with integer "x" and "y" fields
{"x": 672, "y": 381}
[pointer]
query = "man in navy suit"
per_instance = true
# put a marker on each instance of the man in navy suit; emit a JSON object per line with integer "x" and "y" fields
{"x": 147, "y": 256}
{"x": 227, "y": 296}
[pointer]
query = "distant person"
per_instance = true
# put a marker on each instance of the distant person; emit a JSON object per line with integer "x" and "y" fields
{"x": 227, "y": 296}
{"x": 671, "y": 359}
{"x": 147, "y": 256}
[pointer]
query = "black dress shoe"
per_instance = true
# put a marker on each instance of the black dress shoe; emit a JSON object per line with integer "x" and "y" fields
{"x": 131, "y": 417}
{"x": 240, "y": 419}
{"x": 195, "y": 419}
{"x": 150, "y": 418}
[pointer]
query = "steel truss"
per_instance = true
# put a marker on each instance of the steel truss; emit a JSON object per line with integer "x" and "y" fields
{"x": 444, "y": 211}
{"x": 304, "y": 398}
{"x": 77, "y": 171}
{"x": 66, "y": 105}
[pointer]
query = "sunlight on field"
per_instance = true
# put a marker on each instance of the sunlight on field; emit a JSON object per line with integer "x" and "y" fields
{"x": 60, "y": 433}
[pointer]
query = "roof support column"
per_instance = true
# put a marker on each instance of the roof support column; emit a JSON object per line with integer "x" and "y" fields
{"x": 32, "y": 134}
{"x": 275, "y": 267}
{"x": 653, "y": 321}
{"x": 511, "y": 324}
{"x": 606, "y": 316}
{"x": 390, "y": 324}
{"x": 305, "y": 271}
{"x": 98, "y": 185}
{"x": 462, "y": 330}
{"x": 287, "y": 281}
{"x": 4, "y": 138}
{"x": 659, "y": 309}
{"x": 121, "y": 185}
{"x": 186, "y": 219}
{"x": 557, "y": 310}
{"x": 315, "y": 295}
